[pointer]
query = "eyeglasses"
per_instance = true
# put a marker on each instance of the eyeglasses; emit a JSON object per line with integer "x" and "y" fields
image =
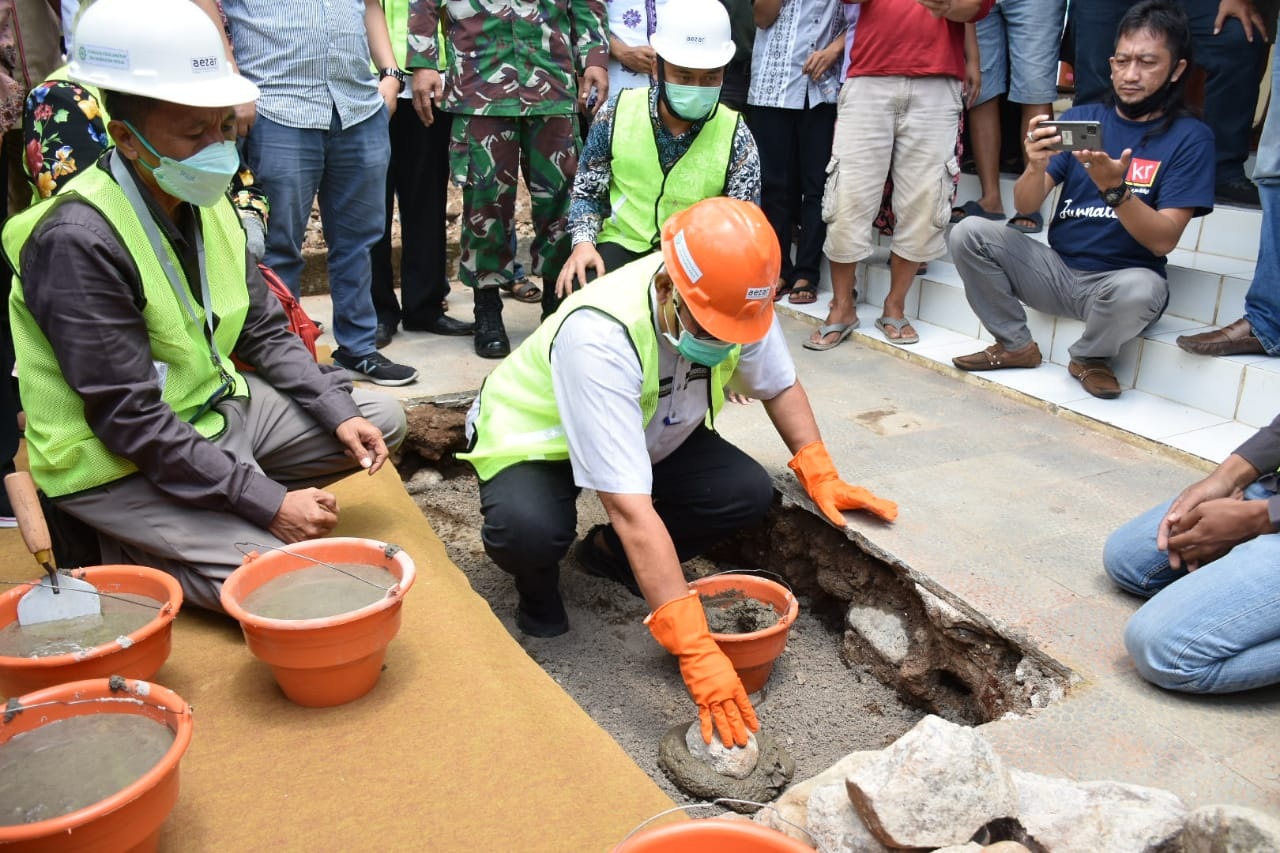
{"x": 699, "y": 333}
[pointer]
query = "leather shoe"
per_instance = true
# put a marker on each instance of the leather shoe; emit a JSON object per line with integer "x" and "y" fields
{"x": 1096, "y": 377}
{"x": 1236, "y": 339}
{"x": 443, "y": 325}
{"x": 491, "y": 338}
{"x": 996, "y": 357}
{"x": 383, "y": 334}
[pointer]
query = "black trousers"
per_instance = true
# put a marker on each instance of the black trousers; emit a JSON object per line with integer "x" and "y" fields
{"x": 794, "y": 146}
{"x": 703, "y": 492}
{"x": 418, "y": 176}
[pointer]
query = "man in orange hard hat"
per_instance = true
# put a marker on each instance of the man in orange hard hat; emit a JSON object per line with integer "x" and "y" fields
{"x": 612, "y": 393}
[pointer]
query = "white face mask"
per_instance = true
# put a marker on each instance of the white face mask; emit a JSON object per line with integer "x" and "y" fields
{"x": 202, "y": 178}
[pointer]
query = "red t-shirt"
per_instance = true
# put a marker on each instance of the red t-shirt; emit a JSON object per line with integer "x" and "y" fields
{"x": 900, "y": 38}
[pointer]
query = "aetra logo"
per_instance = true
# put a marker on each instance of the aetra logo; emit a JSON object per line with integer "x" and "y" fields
{"x": 695, "y": 39}
{"x": 204, "y": 64}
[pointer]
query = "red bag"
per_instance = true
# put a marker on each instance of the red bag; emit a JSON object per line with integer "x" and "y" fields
{"x": 299, "y": 323}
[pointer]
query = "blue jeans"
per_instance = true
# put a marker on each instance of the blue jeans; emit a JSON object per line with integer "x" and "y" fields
{"x": 347, "y": 167}
{"x": 1214, "y": 630}
{"x": 1233, "y": 66}
{"x": 1021, "y": 39}
{"x": 1262, "y": 302}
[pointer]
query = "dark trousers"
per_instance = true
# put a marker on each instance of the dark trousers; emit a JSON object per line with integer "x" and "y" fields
{"x": 794, "y": 146}
{"x": 703, "y": 492}
{"x": 417, "y": 176}
{"x": 1233, "y": 69}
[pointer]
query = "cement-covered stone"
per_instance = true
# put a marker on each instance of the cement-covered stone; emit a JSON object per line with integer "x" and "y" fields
{"x": 1085, "y": 817}
{"x": 1230, "y": 829}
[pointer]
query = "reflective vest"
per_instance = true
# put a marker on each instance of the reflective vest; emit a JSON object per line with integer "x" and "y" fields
{"x": 519, "y": 419}
{"x": 641, "y": 197}
{"x": 65, "y": 455}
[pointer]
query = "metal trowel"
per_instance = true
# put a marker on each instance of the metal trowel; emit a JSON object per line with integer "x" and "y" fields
{"x": 57, "y": 596}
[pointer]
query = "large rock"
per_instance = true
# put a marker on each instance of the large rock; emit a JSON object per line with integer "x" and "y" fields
{"x": 1086, "y": 817}
{"x": 835, "y": 825}
{"x": 790, "y": 813}
{"x": 1230, "y": 829}
{"x": 885, "y": 632}
{"x": 935, "y": 786}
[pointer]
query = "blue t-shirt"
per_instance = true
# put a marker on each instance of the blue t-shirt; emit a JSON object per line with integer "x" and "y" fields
{"x": 1172, "y": 169}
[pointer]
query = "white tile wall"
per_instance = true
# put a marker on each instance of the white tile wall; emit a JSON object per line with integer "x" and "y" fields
{"x": 1145, "y": 414}
{"x": 1214, "y": 443}
{"x": 1231, "y": 232}
{"x": 1193, "y": 293}
{"x": 1211, "y": 384}
{"x": 1191, "y": 234}
{"x": 946, "y": 306}
{"x": 1260, "y": 399}
{"x": 1231, "y": 298}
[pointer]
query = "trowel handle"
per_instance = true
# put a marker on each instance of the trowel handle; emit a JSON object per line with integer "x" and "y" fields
{"x": 26, "y": 506}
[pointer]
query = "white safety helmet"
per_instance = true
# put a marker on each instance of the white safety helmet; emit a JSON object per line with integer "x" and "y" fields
{"x": 696, "y": 36}
{"x": 164, "y": 49}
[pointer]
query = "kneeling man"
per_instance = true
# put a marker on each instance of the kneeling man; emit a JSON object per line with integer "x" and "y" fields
{"x": 1120, "y": 212}
{"x": 618, "y": 392}
{"x": 134, "y": 289}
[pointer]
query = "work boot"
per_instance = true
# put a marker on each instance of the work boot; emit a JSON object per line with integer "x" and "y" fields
{"x": 540, "y": 611}
{"x": 593, "y": 555}
{"x": 490, "y": 335}
{"x": 996, "y": 357}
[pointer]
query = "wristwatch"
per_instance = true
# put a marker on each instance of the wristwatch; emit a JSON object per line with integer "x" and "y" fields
{"x": 1117, "y": 196}
{"x": 384, "y": 73}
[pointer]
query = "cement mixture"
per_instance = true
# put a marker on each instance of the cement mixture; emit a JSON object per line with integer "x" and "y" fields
{"x": 814, "y": 707}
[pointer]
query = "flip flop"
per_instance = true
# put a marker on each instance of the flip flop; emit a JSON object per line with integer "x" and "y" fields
{"x": 808, "y": 294}
{"x": 523, "y": 290}
{"x": 782, "y": 289}
{"x": 843, "y": 330}
{"x": 1035, "y": 218}
{"x": 898, "y": 323}
{"x": 972, "y": 208}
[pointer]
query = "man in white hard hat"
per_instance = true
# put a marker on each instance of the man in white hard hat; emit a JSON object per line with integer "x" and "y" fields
{"x": 133, "y": 291}
{"x": 653, "y": 152}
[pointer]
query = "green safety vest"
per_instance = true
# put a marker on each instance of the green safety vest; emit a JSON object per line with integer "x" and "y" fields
{"x": 519, "y": 419}
{"x": 641, "y": 197}
{"x": 65, "y": 455}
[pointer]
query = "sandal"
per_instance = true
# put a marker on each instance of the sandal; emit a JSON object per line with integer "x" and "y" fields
{"x": 805, "y": 294}
{"x": 781, "y": 289}
{"x": 523, "y": 290}
{"x": 1027, "y": 223}
{"x": 972, "y": 208}
{"x": 842, "y": 331}
{"x": 899, "y": 325}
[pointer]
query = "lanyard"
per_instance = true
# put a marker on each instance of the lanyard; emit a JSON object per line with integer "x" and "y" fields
{"x": 158, "y": 245}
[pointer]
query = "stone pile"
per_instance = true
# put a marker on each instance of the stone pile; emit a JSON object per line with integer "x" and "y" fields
{"x": 942, "y": 787}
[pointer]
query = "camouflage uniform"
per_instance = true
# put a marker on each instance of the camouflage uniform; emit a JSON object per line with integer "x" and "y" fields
{"x": 511, "y": 85}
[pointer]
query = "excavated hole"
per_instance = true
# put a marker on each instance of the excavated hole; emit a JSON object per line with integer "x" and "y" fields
{"x": 876, "y": 645}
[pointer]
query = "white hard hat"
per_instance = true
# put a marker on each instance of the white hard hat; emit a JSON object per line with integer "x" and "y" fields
{"x": 697, "y": 36}
{"x": 164, "y": 49}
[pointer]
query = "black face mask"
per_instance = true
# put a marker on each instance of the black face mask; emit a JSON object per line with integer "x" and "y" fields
{"x": 1147, "y": 105}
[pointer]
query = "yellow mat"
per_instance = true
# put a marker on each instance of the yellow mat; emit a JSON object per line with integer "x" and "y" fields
{"x": 464, "y": 744}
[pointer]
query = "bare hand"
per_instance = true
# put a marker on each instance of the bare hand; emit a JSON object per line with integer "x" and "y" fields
{"x": 820, "y": 61}
{"x": 972, "y": 85}
{"x": 1209, "y": 489}
{"x": 389, "y": 89}
{"x": 740, "y": 399}
{"x": 1248, "y": 15}
{"x": 575, "y": 268}
{"x": 246, "y": 115}
{"x": 427, "y": 90}
{"x": 1035, "y": 145}
{"x": 1213, "y": 528}
{"x": 596, "y": 76}
{"x": 1105, "y": 171}
{"x": 363, "y": 442}
{"x": 305, "y": 514}
{"x": 638, "y": 59}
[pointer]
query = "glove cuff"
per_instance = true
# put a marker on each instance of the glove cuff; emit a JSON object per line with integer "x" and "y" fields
{"x": 680, "y": 625}
{"x": 812, "y": 463}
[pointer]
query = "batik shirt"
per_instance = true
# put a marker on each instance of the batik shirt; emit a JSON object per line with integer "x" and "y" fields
{"x": 510, "y": 57}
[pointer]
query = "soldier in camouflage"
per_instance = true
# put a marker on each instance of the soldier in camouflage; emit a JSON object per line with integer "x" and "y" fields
{"x": 512, "y": 83}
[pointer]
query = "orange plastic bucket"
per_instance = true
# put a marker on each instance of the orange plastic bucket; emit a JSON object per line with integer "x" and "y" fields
{"x": 131, "y": 818}
{"x": 711, "y": 836}
{"x": 330, "y": 660}
{"x": 753, "y": 654}
{"x": 141, "y": 655}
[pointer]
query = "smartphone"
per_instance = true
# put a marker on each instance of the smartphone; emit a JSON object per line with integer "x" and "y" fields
{"x": 1077, "y": 135}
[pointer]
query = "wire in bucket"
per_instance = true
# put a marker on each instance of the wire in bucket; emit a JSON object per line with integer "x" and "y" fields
{"x": 241, "y": 546}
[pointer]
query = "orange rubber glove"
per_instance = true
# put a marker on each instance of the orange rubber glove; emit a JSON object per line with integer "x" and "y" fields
{"x": 818, "y": 475}
{"x": 680, "y": 626}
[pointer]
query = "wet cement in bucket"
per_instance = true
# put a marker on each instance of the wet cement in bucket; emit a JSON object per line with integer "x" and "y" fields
{"x": 74, "y": 763}
{"x": 122, "y": 614}
{"x": 319, "y": 591}
{"x": 732, "y": 611}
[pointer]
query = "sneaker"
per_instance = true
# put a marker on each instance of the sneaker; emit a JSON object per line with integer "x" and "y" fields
{"x": 376, "y": 368}
{"x": 996, "y": 357}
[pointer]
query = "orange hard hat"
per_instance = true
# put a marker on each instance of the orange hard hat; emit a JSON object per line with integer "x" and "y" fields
{"x": 724, "y": 259}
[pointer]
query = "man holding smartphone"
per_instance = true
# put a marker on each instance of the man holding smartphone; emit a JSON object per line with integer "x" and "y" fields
{"x": 1122, "y": 208}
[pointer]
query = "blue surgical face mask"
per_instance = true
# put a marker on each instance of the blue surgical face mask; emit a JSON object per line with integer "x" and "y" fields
{"x": 708, "y": 353}
{"x": 691, "y": 103}
{"x": 202, "y": 178}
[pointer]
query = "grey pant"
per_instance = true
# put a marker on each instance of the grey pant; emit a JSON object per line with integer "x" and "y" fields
{"x": 141, "y": 525}
{"x": 1003, "y": 269}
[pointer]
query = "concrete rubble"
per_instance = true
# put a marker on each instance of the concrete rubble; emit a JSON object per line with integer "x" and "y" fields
{"x": 942, "y": 787}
